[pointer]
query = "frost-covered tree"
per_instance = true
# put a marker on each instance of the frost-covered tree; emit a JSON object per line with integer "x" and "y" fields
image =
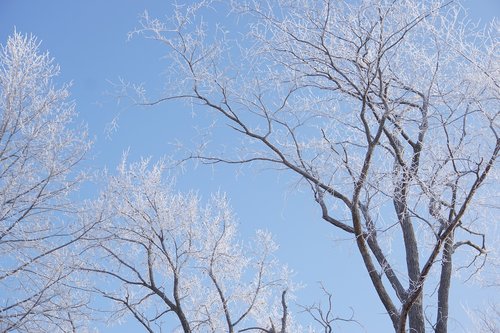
{"x": 176, "y": 265}
{"x": 39, "y": 153}
{"x": 386, "y": 110}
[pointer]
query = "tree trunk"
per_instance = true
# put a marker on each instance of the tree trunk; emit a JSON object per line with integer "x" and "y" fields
{"x": 416, "y": 317}
{"x": 444, "y": 286}
{"x": 416, "y": 314}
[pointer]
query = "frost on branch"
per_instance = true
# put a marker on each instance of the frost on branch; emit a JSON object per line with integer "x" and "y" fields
{"x": 386, "y": 110}
{"x": 176, "y": 265}
{"x": 39, "y": 154}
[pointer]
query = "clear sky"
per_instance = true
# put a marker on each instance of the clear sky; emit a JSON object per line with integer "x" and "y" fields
{"x": 88, "y": 38}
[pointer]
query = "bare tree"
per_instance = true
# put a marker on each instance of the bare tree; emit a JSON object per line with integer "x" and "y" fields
{"x": 487, "y": 318}
{"x": 177, "y": 266}
{"x": 39, "y": 150}
{"x": 386, "y": 110}
{"x": 324, "y": 315}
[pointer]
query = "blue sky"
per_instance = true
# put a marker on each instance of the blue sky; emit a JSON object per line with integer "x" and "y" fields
{"x": 89, "y": 41}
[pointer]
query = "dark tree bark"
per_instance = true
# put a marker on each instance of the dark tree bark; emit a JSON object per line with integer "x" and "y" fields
{"x": 444, "y": 286}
